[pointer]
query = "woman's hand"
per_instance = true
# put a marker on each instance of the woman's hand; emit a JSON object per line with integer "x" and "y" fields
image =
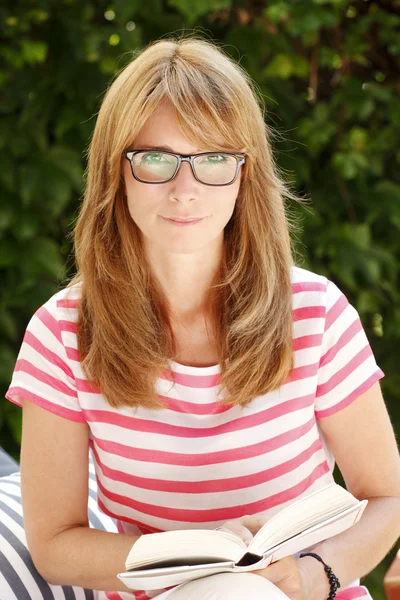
{"x": 239, "y": 528}
{"x": 289, "y": 576}
{"x": 287, "y": 573}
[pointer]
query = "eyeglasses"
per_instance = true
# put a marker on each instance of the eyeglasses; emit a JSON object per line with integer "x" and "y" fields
{"x": 210, "y": 168}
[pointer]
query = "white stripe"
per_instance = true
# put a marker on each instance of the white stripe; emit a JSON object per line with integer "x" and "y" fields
{"x": 184, "y": 444}
{"x": 348, "y": 385}
{"x": 5, "y": 589}
{"x": 238, "y": 468}
{"x": 10, "y": 488}
{"x": 168, "y": 524}
{"x": 106, "y": 521}
{"x": 14, "y": 504}
{"x": 13, "y": 556}
{"x": 343, "y": 357}
{"x": 214, "y": 500}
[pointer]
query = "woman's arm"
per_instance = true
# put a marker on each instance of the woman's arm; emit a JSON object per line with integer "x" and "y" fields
{"x": 54, "y": 486}
{"x": 356, "y": 551}
{"x": 88, "y": 558}
{"x": 363, "y": 443}
{"x": 362, "y": 440}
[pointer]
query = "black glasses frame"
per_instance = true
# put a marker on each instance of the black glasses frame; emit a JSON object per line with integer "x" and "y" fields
{"x": 240, "y": 160}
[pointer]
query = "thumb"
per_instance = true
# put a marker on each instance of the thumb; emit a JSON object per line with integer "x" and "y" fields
{"x": 253, "y": 522}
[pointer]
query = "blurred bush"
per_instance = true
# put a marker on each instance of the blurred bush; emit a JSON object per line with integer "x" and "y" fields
{"x": 329, "y": 72}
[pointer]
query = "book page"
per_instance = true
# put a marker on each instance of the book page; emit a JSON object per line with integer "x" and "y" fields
{"x": 302, "y": 514}
{"x": 185, "y": 546}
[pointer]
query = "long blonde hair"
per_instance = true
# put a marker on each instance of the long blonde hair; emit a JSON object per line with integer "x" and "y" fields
{"x": 125, "y": 338}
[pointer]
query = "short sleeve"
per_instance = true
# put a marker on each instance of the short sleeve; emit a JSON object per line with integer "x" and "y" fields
{"x": 347, "y": 366}
{"x": 42, "y": 373}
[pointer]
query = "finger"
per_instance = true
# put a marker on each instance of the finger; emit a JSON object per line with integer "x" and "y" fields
{"x": 253, "y": 523}
{"x": 279, "y": 570}
{"x": 238, "y": 529}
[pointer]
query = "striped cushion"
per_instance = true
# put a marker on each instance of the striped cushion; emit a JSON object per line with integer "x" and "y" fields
{"x": 19, "y": 579}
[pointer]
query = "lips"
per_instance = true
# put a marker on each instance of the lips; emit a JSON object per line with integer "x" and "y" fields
{"x": 184, "y": 223}
{"x": 184, "y": 220}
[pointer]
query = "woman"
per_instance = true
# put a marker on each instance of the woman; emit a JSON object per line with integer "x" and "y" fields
{"x": 213, "y": 380}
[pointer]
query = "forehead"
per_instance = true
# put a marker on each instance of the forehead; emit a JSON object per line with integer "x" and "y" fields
{"x": 163, "y": 131}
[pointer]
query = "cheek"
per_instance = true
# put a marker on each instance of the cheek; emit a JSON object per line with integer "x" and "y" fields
{"x": 142, "y": 204}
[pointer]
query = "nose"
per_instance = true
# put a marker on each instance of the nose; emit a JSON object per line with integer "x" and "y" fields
{"x": 185, "y": 171}
{"x": 184, "y": 186}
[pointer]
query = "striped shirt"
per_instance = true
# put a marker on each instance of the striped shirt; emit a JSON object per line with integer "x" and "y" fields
{"x": 197, "y": 463}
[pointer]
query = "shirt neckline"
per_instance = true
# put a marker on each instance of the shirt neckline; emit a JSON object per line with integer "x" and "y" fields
{"x": 179, "y": 368}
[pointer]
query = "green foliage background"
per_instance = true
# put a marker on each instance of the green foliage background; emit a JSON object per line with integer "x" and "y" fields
{"x": 329, "y": 72}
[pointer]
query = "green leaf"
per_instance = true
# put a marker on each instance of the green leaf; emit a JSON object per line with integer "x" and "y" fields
{"x": 358, "y": 138}
{"x": 31, "y": 182}
{"x": 9, "y": 254}
{"x": 43, "y": 256}
{"x": 6, "y": 217}
{"x": 280, "y": 66}
{"x": 277, "y": 12}
{"x": 197, "y": 8}
{"x": 69, "y": 162}
{"x": 126, "y": 11}
{"x": 33, "y": 52}
{"x": 8, "y": 328}
{"x": 13, "y": 419}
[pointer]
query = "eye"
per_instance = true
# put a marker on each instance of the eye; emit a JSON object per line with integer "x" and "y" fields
{"x": 215, "y": 158}
{"x": 153, "y": 156}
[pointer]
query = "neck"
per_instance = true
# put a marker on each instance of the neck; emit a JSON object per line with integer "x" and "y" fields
{"x": 185, "y": 281}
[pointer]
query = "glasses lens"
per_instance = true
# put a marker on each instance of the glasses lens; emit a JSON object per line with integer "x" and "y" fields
{"x": 215, "y": 168}
{"x": 153, "y": 167}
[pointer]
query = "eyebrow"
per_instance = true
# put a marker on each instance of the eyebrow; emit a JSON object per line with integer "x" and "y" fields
{"x": 164, "y": 147}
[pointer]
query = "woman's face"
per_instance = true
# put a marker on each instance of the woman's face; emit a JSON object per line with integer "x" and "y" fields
{"x": 184, "y": 196}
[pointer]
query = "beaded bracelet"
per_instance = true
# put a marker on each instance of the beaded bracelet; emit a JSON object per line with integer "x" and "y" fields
{"x": 333, "y": 580}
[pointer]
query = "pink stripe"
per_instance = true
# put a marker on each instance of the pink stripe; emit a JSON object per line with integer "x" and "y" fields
{"x": 299, "y": 373}
{"x": 212, "y": 408}
{"x": 335, "y": 311}
{"x": 303, "y": 286}
{"x": 70, "y": 326}
{"x": 64, "y": 303}
{"x": 24, "y": 366}
{"x": 308, "y": 312}
{"x": 344, "y": 339}
{"x": 202, "y": 381}
{"x": 72, "y": 353}
{"x": 344, "y": 372}
{"x": 141, "y": 595}
{"x": 193, "y": 381}
{"x": 61, "y": 411}
{"x": 308, "y": 286}
{"x": 136, "y": 595}
{"x": 208, "y": 458}
{"x": 351, "y": 397}
{"x": 50, "y": 322}
{"x": 119, "y": 527}
{"x": 83, "y": 385}
{"x": 307, "y": 341}
{"x": 53, "y": 358}
{"x": 190, "y": 408}
{"x": 161, "y": 428}
{"x": 211, "y": 485}
{"x": 144, "y": 528}
{"x": 352, "y": 593}
{"x": 218, "y": 514}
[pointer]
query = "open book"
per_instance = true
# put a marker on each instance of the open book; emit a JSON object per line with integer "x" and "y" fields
{"x": 159, "y": 560}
